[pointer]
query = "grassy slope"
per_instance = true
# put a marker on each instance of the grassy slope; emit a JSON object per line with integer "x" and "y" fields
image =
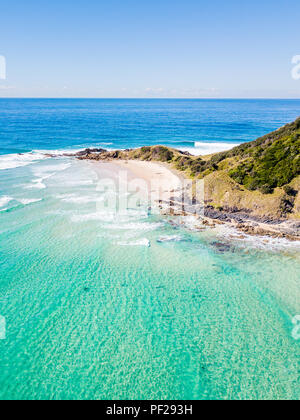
{"x": 261, "y": 177}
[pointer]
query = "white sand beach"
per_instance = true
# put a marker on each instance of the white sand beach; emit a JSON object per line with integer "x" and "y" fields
{"x": 153, "y": 180}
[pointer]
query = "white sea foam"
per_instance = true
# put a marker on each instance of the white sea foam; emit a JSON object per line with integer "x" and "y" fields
{"x": 58, "y": 153}
{"x": 103, "y": 217}
{"x": 135, "y": 226}
{"x": 264, "y": 243}
{"x": 36, "y": 184}
{"x": 173, "y": 238}
{"x": 133, "y": 214}
{"x": 81, "y": 199}
{"x": 26, "y": 201}
{"x": 267, "y": 243}
{"x": 120, "y": 221}
{"x": 18, "y": 160}
{"x": 39, "y": 182}
{"x": 82, "y": 183}
{"x": 48, "y": 171}
{"x": 140, "y": 242}
{"x": 202, "y": 148}
{"x": 5, "y": 200}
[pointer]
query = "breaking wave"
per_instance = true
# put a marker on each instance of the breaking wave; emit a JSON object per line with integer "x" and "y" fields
{"x": 203, "y": 148}
{"x": 5, "y": 200}
{"x": 140, "y": 242}
{"x": 18, "y": 160}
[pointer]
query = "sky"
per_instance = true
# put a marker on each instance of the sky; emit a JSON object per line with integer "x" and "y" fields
{"x": 150, "y": 48}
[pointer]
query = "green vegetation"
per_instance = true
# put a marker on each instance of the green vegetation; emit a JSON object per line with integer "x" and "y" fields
{"x": 270, "y": 162}
{"x": 158, "y": 153}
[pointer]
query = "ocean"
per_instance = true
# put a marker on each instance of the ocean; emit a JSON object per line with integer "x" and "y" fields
{"x": 105, "y": 305}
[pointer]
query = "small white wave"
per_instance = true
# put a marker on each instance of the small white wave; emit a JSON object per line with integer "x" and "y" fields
{"x": 103, "y": 217}
{"x": 81, "y": 199}
{"x": 265, "y": 243}
{"x": 135, "y": 226}
{"x": 18, "y": 160}
{"x": 133, "y": 214}
{"x": 140, "y": 242}
{"x": 36, "y": 184}
{"x": 82, "y": 183}
{"x": 58, "y": 153}
{"x": 41, "y": 177}
{"x": 174, "y": 238}
{"x": 5, "y": 200}
{"x": 202, "y": 148}
{"x": 50, "y": 170}
{"x": 26, "y": 201}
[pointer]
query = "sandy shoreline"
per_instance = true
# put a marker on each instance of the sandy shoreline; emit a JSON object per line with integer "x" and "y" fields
{"x": 161, "y": 181}
{"x": 154, "y": 181}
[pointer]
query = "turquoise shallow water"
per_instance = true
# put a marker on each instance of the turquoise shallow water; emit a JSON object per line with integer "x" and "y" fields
{"x": 93, "y": 312}
{"x": 129, "y": 306}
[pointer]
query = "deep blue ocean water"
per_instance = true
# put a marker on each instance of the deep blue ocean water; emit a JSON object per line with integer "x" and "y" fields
{"x": 34, "y": 124}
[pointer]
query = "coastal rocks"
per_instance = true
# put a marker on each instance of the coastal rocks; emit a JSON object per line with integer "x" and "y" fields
{"x": 243, "y": 222}
{"x": 214, "y": 214}
{"x": 237, "y": 214}
{"x": 208, "y": 223}
{"x": 87, "y": 152}
{"x": 262, "y": 231}
{"x": 199, "y": 228}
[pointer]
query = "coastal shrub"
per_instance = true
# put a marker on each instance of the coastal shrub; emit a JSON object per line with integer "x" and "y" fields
{"x": 267, "y": 163}
{"x": 266, "y": 189}
{"x": 162, "y": 154}
{"x": 183, "y": 162}
{"x": 290, "y": 191}
{"x": 197, "y": 166}
{"x": 145, "y": 153}
{"x": 216, "y": 159}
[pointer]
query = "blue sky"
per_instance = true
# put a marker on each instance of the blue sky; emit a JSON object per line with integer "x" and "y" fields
{"x": 166, "y": 48}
